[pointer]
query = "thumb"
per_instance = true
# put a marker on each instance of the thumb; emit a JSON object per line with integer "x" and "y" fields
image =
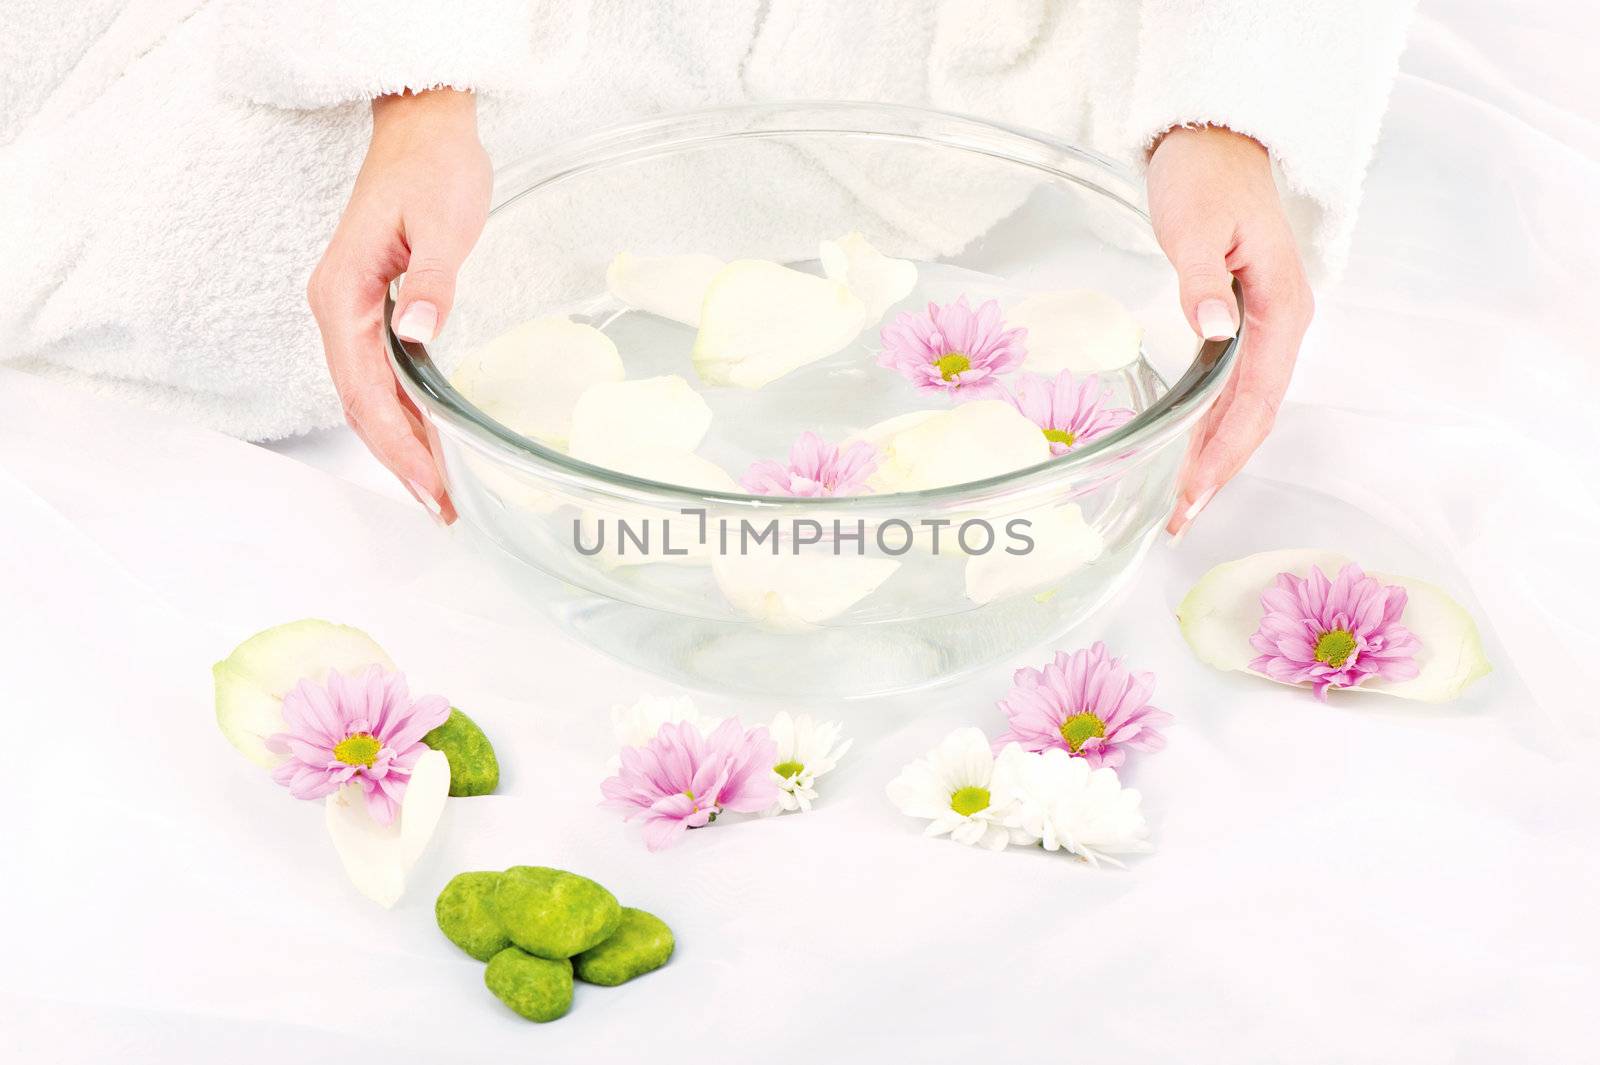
{"x": 429, "y": 286}
{"x": 1199, "y": 253}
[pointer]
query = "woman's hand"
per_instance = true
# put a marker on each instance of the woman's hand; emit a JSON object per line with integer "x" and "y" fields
{"x": 1217, "y": 215}
{"x": 418, "y": 206}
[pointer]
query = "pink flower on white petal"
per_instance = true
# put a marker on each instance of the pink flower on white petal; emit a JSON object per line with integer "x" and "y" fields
{"x": 363, "y": 730}
{"x": 1334, "y": 634}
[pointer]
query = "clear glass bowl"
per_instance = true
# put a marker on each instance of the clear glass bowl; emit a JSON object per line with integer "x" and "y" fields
{"x": 908, "y": 601}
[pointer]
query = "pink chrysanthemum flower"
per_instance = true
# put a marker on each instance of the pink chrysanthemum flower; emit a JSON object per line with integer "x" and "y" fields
{"x": 952, "y": 348}
{"x": 1086, "y": 703}
{"x": 1334, "y": 634}
{"x": 1070, "y": 411}
{"x": 365, "y": 730}
{"x": 682, "y": 780}
{"x": 816, "y": 468}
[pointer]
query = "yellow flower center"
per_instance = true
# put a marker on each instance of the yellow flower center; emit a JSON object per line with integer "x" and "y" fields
{"x": 952, "y": 364}
{"x": 1335, "y": 648}
{"x": 361, "y": 748}
{"x": 1080, "y": 727}
{"x": 1061, "y": 436}
{"x": 788, "y": 769}
{"x": 969, "y": 800}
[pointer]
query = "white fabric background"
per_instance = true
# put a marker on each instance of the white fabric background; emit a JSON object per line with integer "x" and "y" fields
{"x": 1359, "y": 882}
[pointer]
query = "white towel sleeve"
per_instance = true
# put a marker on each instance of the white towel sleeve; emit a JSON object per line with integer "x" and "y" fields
{"x": 1308, "y": 80}
{"x": 308, "y": 54}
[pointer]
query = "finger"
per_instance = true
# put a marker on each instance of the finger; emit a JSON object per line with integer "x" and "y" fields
{"x": 439, "y": 239}
{"x": 1277, "y": 312}
{"x": 345, "y": 300}
{"x": 1198, "y": 246}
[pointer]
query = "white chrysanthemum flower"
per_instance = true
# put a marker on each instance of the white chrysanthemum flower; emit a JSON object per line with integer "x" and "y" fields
{"x": 1067, "y": 806}
{"x": 964, "y": 791}
{"x": 806, "y": 750}
{"x": 637, "y": 725}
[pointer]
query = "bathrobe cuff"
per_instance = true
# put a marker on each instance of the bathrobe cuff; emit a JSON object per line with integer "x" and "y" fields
{"x": 306, "y": 54}
{"x": 1310, "y": 81}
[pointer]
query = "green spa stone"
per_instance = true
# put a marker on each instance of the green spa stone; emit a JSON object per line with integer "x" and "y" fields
{"x": 466, "y": 915}
{"x": 474, "y": 770}
{"x": 641, "y": 943}
{"x": 537, "y": 988}
{"x": 552, "y": 913}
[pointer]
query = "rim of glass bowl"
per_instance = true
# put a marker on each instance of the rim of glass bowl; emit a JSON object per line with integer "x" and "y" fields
{"x": 1169, "y": 414}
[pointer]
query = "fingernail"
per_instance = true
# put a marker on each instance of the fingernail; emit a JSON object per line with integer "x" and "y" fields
{"x": 1189, "y": 515}
{"x": 418, "y": 322}
{"x": 1199, "y": 504}
{"x": 426, "y": 500}
{"x": 1216, "y": 319}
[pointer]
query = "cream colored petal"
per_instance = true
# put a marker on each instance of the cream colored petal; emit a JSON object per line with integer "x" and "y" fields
{"x": 1076, "y": 329}
{"x": 792, "y": 593}
{"x": 969, "y": 442}
{"x": 614, "y": 421}
{"x": 370, "y": 852}
{"x": 422, "y": 805}
{"x": 1223, "y": 610}
{"x": 1062, "y": 542}
{"x": 878, "y": 280}
{"x": 761, "y": 321}
{"x": 377, "y": 857}
{"x": 673, "y": 286}
{"x": 252, "y": 681}
{"x": 529, "y": 379}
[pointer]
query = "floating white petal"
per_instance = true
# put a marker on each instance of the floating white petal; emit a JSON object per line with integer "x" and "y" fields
{"x": 978, "y": 439}
{"x": 1062, "y": 541}
{"x": 792, "y": 593}
{"x": 378, "y": 857}
{"x": 673, "y": 286}
{"x": 1222, "y": 612}
{"x": 1076, "y": 329}
{"x": 878, "y": 280}
{"x": 761, "y": 321}
{"x": 628, "y": 418}
{"x": 252, "y": 681}
{"x": 530, "y": 378}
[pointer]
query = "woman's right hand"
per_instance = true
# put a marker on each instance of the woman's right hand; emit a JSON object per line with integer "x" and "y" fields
{"x": 418, "y": 206}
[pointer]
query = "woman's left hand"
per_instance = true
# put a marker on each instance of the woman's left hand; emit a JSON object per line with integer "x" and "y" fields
{"x": 1218, "y": 216}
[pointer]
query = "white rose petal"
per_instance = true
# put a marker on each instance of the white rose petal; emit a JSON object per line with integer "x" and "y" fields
{"x": 378, "y": 857}
{"x": 761, "y": 321}
{"x": 629, "y": 418}
{"x": 1222, "y": 612}
{"x": 792, "y": 593}
{"x": 1077, "y": 329}
{"x": 673, "y": 286}
{"x": 878, "y": 280}
{"x": 1062, "y": 542}
{"x": 530, "y": 378}
{"x": 971, "y": 442}
{"x": 252, "y": 681}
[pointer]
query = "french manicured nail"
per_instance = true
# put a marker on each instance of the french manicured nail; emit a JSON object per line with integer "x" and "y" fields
{"x": 1199, "y": 504}
{"x": 1189, "y": 515}
{"x": 426, "y": 500}
{"x": 418, "y": 322}
{"x": 1216, "y": 320}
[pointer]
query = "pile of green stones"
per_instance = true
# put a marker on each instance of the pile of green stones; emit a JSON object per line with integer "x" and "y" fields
{"x": 540, "y": 928}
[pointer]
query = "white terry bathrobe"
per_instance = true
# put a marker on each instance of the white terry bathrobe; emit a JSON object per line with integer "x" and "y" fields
{"x": 173, "y": 168}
